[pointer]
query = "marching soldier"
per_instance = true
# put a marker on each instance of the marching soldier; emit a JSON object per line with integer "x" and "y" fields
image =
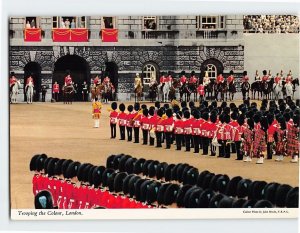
{"x": 168, "y": 127}
{"x": 259, "y": 144}
{"x": 277, "y": 79}
{"x": 145, "y": 125}
{"x": 178, "y": 130}
{"x": 129, "y": 122}
{"x": 220, "y": 79}
{"x": 113, "y": 119}
{"x": 230, "y": 79}
{"x": 237, "y": 135}
{"x": 196, "y": 131}
{"x": 159, "y": 127}
{"x": 55, "y": 91}
{"x": 122, "y": 121}
{"x": 187, "y": 125}
{"x": 152, "y": 122}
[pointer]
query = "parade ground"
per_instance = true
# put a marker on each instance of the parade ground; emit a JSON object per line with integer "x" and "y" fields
{"x": 66, "y": 131}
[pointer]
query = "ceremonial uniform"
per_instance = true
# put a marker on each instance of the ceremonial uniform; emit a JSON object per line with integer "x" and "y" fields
{"x": 168, "y": 129}
{"x": 187, "y": 124}
{"x": 136, "y": 126}
{"x": 106, "y": 80}
{"x": 122, "y": 120}
{"x": 220, "y": 79}
{"x": 230, "y": 80}
{"x": 245, "y": 79}
{"x": 247, "y": 139}
{"x": 277, "y": 80}
{"x": 129, "y": 125}
{"x": 292, "y": 148}
{"x": 183, "y": 80}
{"x": 169, "y": 79}
{"x": 96, "y": 81}
{"x": 259, "y": 144}
{"x": 265, "y": 78}
{"x": 237, "y": 132}
{"x": 212, "y": 131}
{"x": 152, "y": 121}
{"x": 205, "y": 134}
{"x": 113, "y": 122}
{"x": 280, "y": 141}
{"x": 84, "y": 91}
{"x": 234, "y": 124}
{"x": 224, "y": 136}
{"x": 179, "y": 132}
{"x": 55, "y": 91}
{"x": 159, "y": 131}
{"x": 288, "y": 79}
{"x": 201, "y": 92}
{"x": 193, "y": 80}
{"x": 12, "y": 81}
{"x": 145, "y": 125}
{"x": 272, "y": 129}
{"x": 196, "y": 132}
{"x": 29, "y": 80}
{"x": 96, "y": 111}
{"x": 68, "y": 80}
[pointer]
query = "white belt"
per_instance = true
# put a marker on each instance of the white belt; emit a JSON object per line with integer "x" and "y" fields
{"x": 146, "y": 126}
{"x": 160, "y": 128}
{"x": 113, "y": 120}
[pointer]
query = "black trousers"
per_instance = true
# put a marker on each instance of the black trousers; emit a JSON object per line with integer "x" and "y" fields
{"x": 239, "y": 155}
{"x": 151, "y": 141}
{"x": 269, "y": 150}
{"x": 233, "y": 148}
{"x": 158, "y": 139}
{"x": 201, "y": 142}
{"x": 196, "y": 143}
{"x": 205, "y": 142}
{"x": 145, "y": 136}
{"x": 168, "y": 139}
{"x": 227, "y": 149}
{"x": 113, "y": 128}
{"x": 43, "y": 96}
{"x": 136, "y": 134}
{"x": 221, "y": 148}
{"x": 187, "y": 142}
{"x": 129, "y": 133}
{"x": 55, "y": 96}
{"x": 122, "y": 132}
{"x": 178, "y": 138}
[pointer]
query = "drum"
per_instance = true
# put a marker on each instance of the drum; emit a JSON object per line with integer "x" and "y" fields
{"x": 152, "y": 133}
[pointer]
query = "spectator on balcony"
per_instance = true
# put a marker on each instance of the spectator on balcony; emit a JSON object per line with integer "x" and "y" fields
{"x": 32, "y": 24}
{"x": 27, "y": 25}
{"x": 67, "y": 23}
{"x": 62, "y": 24}
{"x": 73, "y": 25}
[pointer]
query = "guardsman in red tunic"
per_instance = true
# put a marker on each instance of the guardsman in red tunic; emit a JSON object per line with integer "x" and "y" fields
{"x": 113, "y": 119}
{"x": 129, "y": 122}
{"x": 227, "y": 136}
{"x": 280, "y": 139}
{"x": 162, "y": 80}
{"x": 122, "y": 121}
{"x": 245, "y": 77}
{"x": 187, "y": 125}
{"x": 220, "y": 79}
{"x": 33, "y": 168}
{"x": 106, "y": 80}
{"x": 145, "y": 126}
{"x": 265, "y": 77}
{"x": 212, "y": 131}
{"x": 55, "y": 91}
{"x": 230, "y": 79}
{"x": 237, "y": 132}
{"x": 168, "y": 127}
{"x": 193, "y": 81}
{"x": 137, "y": 122}
{"x": 169, "y": 78}
{"x": 68, "y": 80}
{"x": 196, "y": 131}
{"x": 272, "y": 129}
{"x": 96, "y": 81}
{"x": 12, "y": 79}
{"x": 277, "y": 79}
{"x": 204, "y": 135}
{"x": 178, "y": 130}
{"x": 289, "y": 78}
{"x": 159, "y": 127}
{"x": 234, "y": 124}
{"x": 201, "y": 92}
{"x": 183, "y": 79}
{"x": 29, "y": 80}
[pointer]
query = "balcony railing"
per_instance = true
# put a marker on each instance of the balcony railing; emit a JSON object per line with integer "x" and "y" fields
{"x": 211, "y": 34}
{"x": 160, "y": 34}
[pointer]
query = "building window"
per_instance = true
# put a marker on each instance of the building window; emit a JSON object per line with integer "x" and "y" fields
{"x": 150, "y": 22}
{"x": 212, "y": 71}
{"x": 149, "y": 71}
{"x": 211, "y": 22}
{"x": 69, "y": 22}
{"x": 32, "y": 22}
{"x": 108, "y": 22}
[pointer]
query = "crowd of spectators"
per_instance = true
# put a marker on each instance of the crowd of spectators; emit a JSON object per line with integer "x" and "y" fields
{"x": 271, "y": 24}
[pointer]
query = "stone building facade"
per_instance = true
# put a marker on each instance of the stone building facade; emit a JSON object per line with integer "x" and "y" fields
{"x": 174, "y": 43}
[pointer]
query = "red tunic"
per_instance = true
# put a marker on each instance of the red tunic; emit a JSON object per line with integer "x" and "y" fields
{"x": 12, "y": 80}
{"x": 248, "y": 139}
{"x": 129, "y": 118}
{"x": 106, "y": 80}
{"x": 162, "y": 79}
{"x": 293, "y": 143}
{"x": 220, "y": 79}
{"x": 96, "y": 80}
{"x": 205, "y": 128}
{"x": 183, "y": 79}
{"x": 55, "y": 88}
{"x": 193, "y": 79}
{"x": 29, "y": 79}
{"x": 159, "y": 125}
{"x": 259, "y": 144}
{"x": 230, "y": 79}
{"x": 178, "y": 127}
{"x": 265, "y": 78}
{"x": 122, "y": 117}
{"x": 196, "y": 127}
{"x": 137, "y": 120}
{"x": 277, "y": 79}
{"x": 234, "y": 133}
{"x": 201, "y": 90}
{"x": 245, "y": 79}
{"x": 169, "y": 79}
{"x": 187, "y": 125}
{"x": 68, "y": 80}
{"x": 153, "y": 121}
{"x": 168, "y": 124}
{"x": 35, "y": 180}
{"x": 288, "y": 79}
{"x": 145, "y": 123}
{"x": 271, "y": 131}
{"x": 113, "y": 117}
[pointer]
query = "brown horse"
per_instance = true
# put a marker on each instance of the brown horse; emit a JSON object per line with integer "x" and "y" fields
{"x": 138, "y": 90}
{"x": 96, "y": 91}
{"x": 68, "y": 92}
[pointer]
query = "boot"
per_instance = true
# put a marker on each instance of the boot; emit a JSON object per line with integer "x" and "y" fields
{"x": 295, "y": 159}
{"x": 260, "y": 160}
{"x": 95, "y": 124}
{"x": 247, "y": 159}
{"x": 279, "y": 158}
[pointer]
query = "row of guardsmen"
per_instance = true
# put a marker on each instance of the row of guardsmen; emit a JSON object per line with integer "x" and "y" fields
{"x": 245, "y": 130}
{"x": 129, "y": 182}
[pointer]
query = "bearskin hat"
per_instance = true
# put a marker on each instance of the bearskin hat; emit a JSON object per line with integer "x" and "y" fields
{"x": 194, "y": 199}
{"x": 80, "y": 171}
{"x": 97, "y": 176}
{"x": 245, "y": 73}
{"x": 43, "y": 200}
{"x": 160, "y": 169}
{"x": 122, "y": 107}
{"x": 132, "y": 184}
{"x": 201, "y": 177}
{"x": 238, "y": 203}
{"x": 207, "y": 180}
{"x": 106, "y": 174}
{"x": 292, "y": 198}
{"x": 186, "y": 114}
{"x": 40, "y": 162}
{"x": 226, "y": 202}
{"x": 65, "y": 166}
{"x": 143, "y": 106}
{"x": 256, "y": 189}
{"x": 72, "y": 170}
{"x": 168, "y": 172}
{"x": 136, "y": 106}
{"x": 129, "y": 165}
{"x": 215, "y": 200}
{"x": 138, "y": 166}
{"x": 161, "y": 193}
{"x": 90, "y": 174}
{"x": 296, "y": 120}
{"x": 188, "y": 194}
{"x": 160, "y": 112}
{"x": 32, "y": 165}
{"x": 264, "y": 123}
{"x": 171, "y": 194}
{"x": 263, "y": 204}
{"x": 243, "y": 188}
{"x": 265, "y": 72}
{"x": 110, "y": 182}
{"x": 281, "y": 194}
{"x": 118, "y": 181}
{"x": 125, "y": 185}
{"x": 58, "y": 167}
{"x": 137, "y": 192}
{"x": 190, "y": 176}
{"x": 213, "y": 182}
{"x": 157, "y": 104}
{"x": 145, "y": 112}
{"x": 122, "y": 162}
{"x": 169, "y": 112}
{"x": 249, "y": 203}
{"x": 51, "y": 167}
{"x": 130, "y": 108}
{"x": 205, "y": 198}
{"x": 152, "y": 192}
{"x": 116, "y": 161}
{"x": 151, "y": 111}
{"x": 231, "y": 189}
{"x": 181, "y": 193}
{"x": 152, "y": 168}
{"x": 114, "y": 105}
{"x": 145, "y": 166}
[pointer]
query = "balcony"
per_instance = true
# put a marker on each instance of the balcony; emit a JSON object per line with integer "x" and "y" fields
{"x": 211, "y": 34}
{"x": 160, "y": 34}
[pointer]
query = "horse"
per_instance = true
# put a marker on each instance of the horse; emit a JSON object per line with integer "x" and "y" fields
{"x": 230, "y": 91}
{"x": 174, "y": 86}
{"x": 256, "y": 86}
{"x": 209, "y": 89}
{"x": 153, "y": 91}
{"x": 29, "y": 92}
{"x": 289, "y": 89}
{"x": 68, "y": 92}
{"x": 107, "y": 92}
{"x": 14, "y": 92}
{"x": 245, "y": 89}
{"x": 138, "y": 92}
{"x": 96, "y": 91}
{"x": 222, "y": 89}
{"x": 193, "y": 89}
{"x": 184, "y": 91}
{"x": 166, "y": 91}
{"x": 277, "y": 90}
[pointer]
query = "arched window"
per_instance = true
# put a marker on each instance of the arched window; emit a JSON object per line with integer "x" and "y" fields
{"x": 149, "y": 71}
{"x": 212, "y": 71}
